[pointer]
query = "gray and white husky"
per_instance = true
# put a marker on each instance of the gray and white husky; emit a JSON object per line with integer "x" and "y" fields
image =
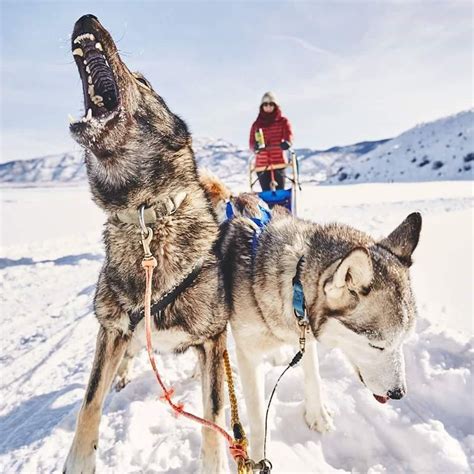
{"x": 358, "y": 298}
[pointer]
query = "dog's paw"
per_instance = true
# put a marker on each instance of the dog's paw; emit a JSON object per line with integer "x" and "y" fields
{"x": 319, "y": 420}
{"x": 121, "y": 383}
{"x": 80, "y": 461}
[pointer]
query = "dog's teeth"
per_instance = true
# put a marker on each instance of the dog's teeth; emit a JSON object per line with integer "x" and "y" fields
{"x": 90, "y": 90}
{"x": 88, "y": 69}
{"x": 85, "y": 62}
{"x": 99, "y": 46}
{"x": 89, "y": 79}
{"x": 78, "y": 52}
{"x": 83, "y": 37}
{"x": 71, "y": 118}
{"x": 89, "y": 114}
{"x": 98, "y": 100}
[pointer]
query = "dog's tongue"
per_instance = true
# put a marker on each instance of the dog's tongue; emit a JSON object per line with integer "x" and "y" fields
{"x": 380, "y": 398}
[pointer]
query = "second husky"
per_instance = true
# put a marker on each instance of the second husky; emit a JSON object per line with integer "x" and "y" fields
{"x": 358, "y": 298}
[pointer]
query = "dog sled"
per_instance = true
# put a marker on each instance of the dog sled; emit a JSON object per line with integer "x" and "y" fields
{"x": 287, "y": 197}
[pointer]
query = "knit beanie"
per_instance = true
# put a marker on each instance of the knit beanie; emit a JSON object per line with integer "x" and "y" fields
{"x": 269, "y": 97}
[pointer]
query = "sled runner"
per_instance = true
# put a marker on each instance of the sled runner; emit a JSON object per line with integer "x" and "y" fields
{"x": 284, "y": 197}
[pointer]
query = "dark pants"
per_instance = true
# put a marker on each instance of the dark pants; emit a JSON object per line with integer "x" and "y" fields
{"x": 265, "y": 179}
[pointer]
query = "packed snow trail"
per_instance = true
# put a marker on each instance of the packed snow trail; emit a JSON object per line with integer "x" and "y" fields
{"x": 48, "y": 272}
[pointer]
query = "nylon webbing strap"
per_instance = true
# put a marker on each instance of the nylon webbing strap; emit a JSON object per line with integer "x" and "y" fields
{"x": 299, "y": 303}
{"x": 166, "y": 299}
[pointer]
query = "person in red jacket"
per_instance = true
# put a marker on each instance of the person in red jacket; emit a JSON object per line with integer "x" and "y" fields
{"x": 278, "y": 137}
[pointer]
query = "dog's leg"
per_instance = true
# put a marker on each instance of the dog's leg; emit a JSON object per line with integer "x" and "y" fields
{"x": 211, "y": 360}
{"x": 125, "y": 367}
{"x": 124, "y": 370}
{"x": 316, "y": 415}
{"x": 109, "y": 351}
{"x": 252, "y": 381}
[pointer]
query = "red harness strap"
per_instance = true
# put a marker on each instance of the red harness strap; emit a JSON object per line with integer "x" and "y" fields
{"x": 238, "y": 452}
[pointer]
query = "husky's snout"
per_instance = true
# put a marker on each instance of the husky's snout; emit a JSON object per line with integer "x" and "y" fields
{"x": 93, "y": 51}
{"x": 393, "y": 394}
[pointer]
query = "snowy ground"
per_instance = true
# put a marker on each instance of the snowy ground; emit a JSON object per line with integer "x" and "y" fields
{"x": 50, "y": 259}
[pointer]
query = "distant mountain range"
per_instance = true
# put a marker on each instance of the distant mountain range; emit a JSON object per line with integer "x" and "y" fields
{"x": 439, "y": 150}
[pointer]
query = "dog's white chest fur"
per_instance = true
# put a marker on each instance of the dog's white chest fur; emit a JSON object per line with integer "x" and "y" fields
{"x": 166, "y": 340}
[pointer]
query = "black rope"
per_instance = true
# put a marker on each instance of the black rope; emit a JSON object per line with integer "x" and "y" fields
{"x": 293, "y": 362}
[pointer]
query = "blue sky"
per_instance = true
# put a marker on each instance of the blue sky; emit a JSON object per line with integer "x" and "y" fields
{"x": 343, "y": 71}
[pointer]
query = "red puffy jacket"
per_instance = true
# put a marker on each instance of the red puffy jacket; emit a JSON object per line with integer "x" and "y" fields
{"x": 276, "y": 129}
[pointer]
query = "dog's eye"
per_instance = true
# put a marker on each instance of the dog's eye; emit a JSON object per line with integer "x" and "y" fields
{"x": 377, "y": 347}
{"x": 143, "y": 81}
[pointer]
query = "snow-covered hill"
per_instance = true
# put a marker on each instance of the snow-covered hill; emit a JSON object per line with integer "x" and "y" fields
{"x": 439, "y": 150}
{"x": 67, "y": 167}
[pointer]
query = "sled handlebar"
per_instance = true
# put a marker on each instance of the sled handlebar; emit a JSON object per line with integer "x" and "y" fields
{"x": 272, "y": 146}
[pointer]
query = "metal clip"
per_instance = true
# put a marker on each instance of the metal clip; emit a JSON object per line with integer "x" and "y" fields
{"x": 146, "y": 240}
{"x": 303, "y": 328}
{"x": 141, "y": 220}
{"x": 264, "y": 466}
{"x": 147, "y": 233}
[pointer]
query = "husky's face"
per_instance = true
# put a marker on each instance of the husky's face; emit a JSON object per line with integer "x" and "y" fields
{"x": 127, "y": 129}
{"x": 118, "y": 104}
{"x": 368, "y": 309}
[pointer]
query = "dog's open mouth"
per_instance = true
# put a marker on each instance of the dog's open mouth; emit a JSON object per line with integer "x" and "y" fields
{"x": 101, "y": 92}
{"x": 381, "y": 398}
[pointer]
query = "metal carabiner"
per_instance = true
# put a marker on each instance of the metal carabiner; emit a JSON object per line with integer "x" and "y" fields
{"x": 264, "y": 466}
{"x": 303, "y": 328}
{"x": 141, "y": 219}
{"x": 147, "y": 232}
{"x": 146, "y": 240}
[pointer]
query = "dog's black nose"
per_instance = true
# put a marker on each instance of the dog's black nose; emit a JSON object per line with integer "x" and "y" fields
{"x": 85, "y": 23}
{"x": 396, "y": 393}
{"x": 89, "y": 16}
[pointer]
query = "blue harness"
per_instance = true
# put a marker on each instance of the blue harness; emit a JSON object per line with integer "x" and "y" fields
{"x": 299, "y": 303}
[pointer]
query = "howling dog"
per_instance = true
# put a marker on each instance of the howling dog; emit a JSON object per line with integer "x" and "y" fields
{"x": 357, "y": 293}
{"x": 137, "y": 153}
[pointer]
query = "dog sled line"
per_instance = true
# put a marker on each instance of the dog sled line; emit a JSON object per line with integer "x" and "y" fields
{"x": 287, "y": 197}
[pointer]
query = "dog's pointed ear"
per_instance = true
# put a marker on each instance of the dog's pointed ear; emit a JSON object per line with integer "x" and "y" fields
{"x": 404, "y": 239}
{"x": 354, "y": 272}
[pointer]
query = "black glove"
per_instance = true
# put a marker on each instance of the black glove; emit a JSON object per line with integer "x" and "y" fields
{"x": 257, "y": 148}
{"x": 285, "y": 145}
